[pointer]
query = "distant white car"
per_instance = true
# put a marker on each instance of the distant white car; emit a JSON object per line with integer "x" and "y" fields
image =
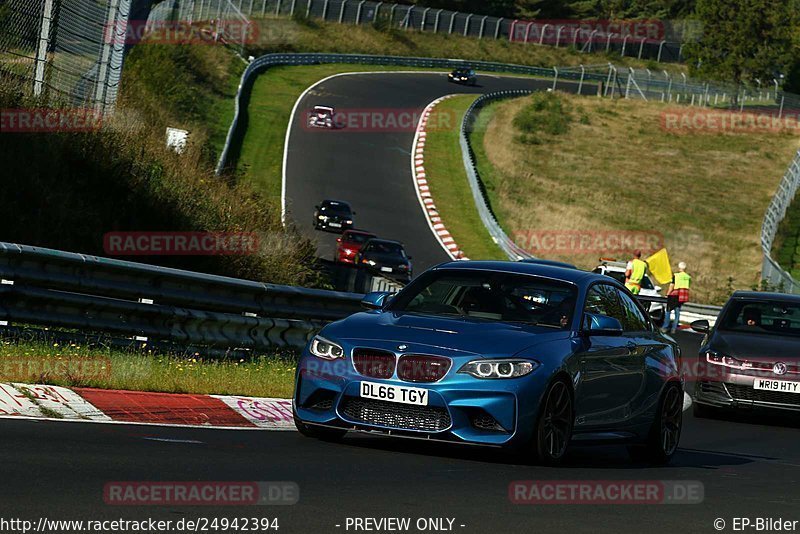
{"x": 321, "y": 117}
{"x": 616, "y": 269}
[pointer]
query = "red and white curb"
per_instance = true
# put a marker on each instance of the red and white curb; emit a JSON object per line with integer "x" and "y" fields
{"x": 39, "y": 401}
{"x": 435, "y": 222}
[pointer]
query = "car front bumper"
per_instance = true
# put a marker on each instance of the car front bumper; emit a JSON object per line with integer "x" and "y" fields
{"x": 460, "y": 408}
{"x": 736, "y": 391}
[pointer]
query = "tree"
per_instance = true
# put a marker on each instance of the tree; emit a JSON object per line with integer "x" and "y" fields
{"x": 742, "y": 40}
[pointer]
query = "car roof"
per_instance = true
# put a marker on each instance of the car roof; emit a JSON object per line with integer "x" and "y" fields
{"x": 765, "y": 295}
{"x": 335, "y": 203}
{"x": 360, "y": 232}
{"x": 574, "y": 276}
{"x": 554, "y": 263}
{"x": 379, "y": 240}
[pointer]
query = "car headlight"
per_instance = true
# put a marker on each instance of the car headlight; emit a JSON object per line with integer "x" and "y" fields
{"x": 322, "y": 348}
{"x": 369, "y": 262}
{"x": 499, "y": 368}
{"x": 323, "y": 218}
{"x": 349, "y": 221}
{"x": 726, "y": 361}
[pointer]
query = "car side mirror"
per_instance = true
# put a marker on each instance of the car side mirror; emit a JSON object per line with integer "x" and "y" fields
{"x": 702, "y": 326}
{"x": 375, "y": 300}
{"x": 602, "y": 325}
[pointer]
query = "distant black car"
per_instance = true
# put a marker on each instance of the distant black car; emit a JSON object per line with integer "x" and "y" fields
{"x": 385, "y": 257}
{"x": 751, "y": 357}
{"x": 333, "y": 215}
{"x": 463, "y": 76}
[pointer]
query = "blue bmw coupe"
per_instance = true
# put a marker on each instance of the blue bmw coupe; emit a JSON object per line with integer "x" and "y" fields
{"x": 506, "y": 354}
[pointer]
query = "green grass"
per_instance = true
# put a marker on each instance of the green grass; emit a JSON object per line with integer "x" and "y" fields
{"x": 73, "y": 365}
{"x": 448, "y": 183}
{"x": 620, "y": 171}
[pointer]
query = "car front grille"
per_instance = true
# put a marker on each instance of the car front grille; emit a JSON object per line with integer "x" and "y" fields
{"x": 396, "y": 415}
{"x": 421, "y": 368}
{"x": 374, "y": 363}
{"x": 747, "y": 393}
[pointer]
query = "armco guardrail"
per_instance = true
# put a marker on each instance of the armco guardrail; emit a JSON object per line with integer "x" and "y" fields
{"x": 498, "y": 235}
{"x": 772, "y": 273}
{"x": 62, "y": 289}
{"x": 272, "y": 60}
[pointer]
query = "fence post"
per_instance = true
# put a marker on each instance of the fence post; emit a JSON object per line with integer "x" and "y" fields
{"x": 608, "y": 42}
{"x": 555, "y": 78}
{"x": 308, "y": 8}
{"x": 325, "y": 10}
{"x": 669, "y": 86}
{"x": 466, "y": 24}
{"x": 44, "y": 43}
{"x": 541, "y": 36}
{"x": 483, "y": 26}
{"x": 105, "y": 54}
{"x": 497, "y": 28}
{"x": 408, "y": 17}
{"x": 780, "y": 112}
{"x": 391, "y": 14}
{"x": 277, "y": 8}
{"x": 341, "y": 11}
{"x": 624, "y": 45}
{"x": 558, "y": 36}
{"x": 660, "y": 49}
{"x": 575, "y": 38}
{"x": 580, "y": 83}
{"x": 291, "y": 8}
{"x": 377, "y": 11}
{"x": 358, "y": 11}
{"x": 452, "y": 22}
{"x": 641, "y": 48}
{"x": 528, "y": 32}
{"x": 591, "y": 40}
{"x": 424, "y": 17}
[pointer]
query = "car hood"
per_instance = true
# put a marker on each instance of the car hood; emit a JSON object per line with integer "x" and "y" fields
{"x": 756, "y": 347}
{"x": 446, "y": 336}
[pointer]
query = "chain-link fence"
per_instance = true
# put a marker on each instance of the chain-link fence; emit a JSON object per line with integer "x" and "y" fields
{"x": 69, "y": 50}
{"x": 772, "y": 273}
{"x": 218, "y": 20}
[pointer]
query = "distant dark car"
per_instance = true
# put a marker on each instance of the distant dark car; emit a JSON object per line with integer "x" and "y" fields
{"x": 386, "y": 257}
{"x": 349, "y": 244}
{"x": 333, "y": 215}
{"x": 551, "y": 263}
{"x": 463, "y": 76}
{"x": 751, "y": 357}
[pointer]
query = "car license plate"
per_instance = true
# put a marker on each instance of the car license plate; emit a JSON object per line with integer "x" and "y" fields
{"x": 387, "y": 392}
{"x": 386, "y": 269}
{"x": 336, "y": 225}
{"x": 785, "y": 386}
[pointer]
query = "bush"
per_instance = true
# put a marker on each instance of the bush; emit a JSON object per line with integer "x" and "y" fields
{"x": 545, "y": 115}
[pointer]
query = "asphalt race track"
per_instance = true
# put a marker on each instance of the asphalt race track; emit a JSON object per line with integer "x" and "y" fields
{"x": 750, "y": 467}
{"x": 372, "y": 169}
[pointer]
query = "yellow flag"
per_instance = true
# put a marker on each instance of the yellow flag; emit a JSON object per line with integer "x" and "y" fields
{"x": 659, "y": 266}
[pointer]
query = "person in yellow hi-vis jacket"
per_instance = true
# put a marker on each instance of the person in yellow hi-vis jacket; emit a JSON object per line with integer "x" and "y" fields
{"x": 634, "y": 272}
{"x": 677, "y": 295}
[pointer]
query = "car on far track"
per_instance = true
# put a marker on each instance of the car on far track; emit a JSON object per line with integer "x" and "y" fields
{"x": 463, "y": 76}
{"x": 751, "y": 357}
{"x": 333, "y": 215}
{"x": 500, "y": 354}
{"x": 349, "y": 244}
{"x": 321, "y": 117}
{"x": 387, "y": 258}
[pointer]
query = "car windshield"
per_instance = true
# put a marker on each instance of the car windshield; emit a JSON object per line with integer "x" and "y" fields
{"x": 762, "y": 317}
{"x": 490, "y": 296}
{"x": 338, "y": 209}
{"x": 385, "y": 247}
{"x": 356, "y": 238}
